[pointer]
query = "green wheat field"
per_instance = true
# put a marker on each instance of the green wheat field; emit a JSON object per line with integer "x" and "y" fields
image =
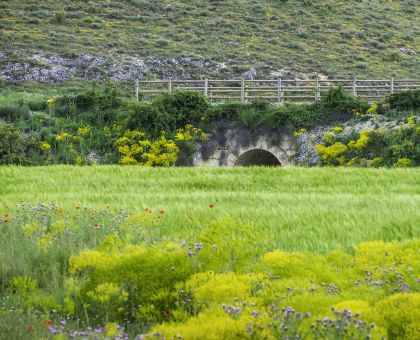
{"x": 317, "y": 209}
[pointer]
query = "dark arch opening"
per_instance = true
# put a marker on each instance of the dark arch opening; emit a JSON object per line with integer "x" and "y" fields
{"x": 257, "y": 157}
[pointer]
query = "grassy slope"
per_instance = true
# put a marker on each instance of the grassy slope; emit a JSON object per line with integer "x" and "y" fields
{"x": 359, "y": 38}
{"x": 317, "y": 209}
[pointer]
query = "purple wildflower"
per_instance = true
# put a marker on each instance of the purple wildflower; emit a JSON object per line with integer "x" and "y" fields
{"x": 52, "y": 330}
{"x": 198, "y": 246}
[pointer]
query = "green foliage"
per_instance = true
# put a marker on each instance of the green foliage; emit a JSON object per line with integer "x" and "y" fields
{"x": 399, "y": 147}
{"x": 109, "y": 270}
{"x": 339, "y": 104}
{"x": 14, "y": 112}
{"x": 147, "y": 117}
{"x": 148, "y": 274}
{"x": 97, "y": 105}
{"x": 12, "y": 144}
{"x": 405, "y": 100}
{"x": 403, "y": 163}
{"x": 108, "y": 115}
{"x": 186, "y": 106}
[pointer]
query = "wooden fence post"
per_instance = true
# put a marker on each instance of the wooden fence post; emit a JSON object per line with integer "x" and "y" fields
{"x": 391, "y": 85}
{"x": 279, "y": 89}
{"x": 170, "y": 85}
{"x": 206, "y": 87}
{"x": 242, "y": 90}
{"x": 354, "y": 89}
{"x": 137, "y": 90}
{"x": 317, "y": 90}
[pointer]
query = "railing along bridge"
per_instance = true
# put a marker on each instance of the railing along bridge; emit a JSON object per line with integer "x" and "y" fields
{"x": 276, "y": 90}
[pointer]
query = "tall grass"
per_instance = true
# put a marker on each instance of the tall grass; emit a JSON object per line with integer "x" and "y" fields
{"x": 317, "y": 209}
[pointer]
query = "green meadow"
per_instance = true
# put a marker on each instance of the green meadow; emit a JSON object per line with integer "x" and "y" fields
{"x": 315, "y": 209}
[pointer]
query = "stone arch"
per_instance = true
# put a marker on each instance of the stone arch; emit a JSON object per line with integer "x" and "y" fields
{"x": 257, "y": 157}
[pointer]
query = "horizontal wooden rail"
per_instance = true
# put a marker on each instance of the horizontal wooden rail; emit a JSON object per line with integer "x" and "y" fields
{"x": 277, "y": 90}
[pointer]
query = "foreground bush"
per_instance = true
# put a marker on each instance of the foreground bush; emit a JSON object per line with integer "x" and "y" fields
{"x": 98, "y": 273}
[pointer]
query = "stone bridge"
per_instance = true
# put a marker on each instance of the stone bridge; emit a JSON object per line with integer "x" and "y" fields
{"x": 241, "y": 147}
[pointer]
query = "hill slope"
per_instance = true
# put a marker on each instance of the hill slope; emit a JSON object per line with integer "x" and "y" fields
{"x": 126, "y": 39}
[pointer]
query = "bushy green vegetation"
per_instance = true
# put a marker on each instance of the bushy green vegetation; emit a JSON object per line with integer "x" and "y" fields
{"x": 257, "y": 252}
{"x": 361, "y": 38}
{"x": 89, "y": 127}
{"x": 399, "y": 147}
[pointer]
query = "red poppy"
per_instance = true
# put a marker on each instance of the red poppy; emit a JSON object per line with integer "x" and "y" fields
{"x": 31, "y": 327}
{"x": 211, "y": 206}
{"x": 166, "y": 315}
{"x": 6, "y": 215}
{"x": 59, "y": 212}
{"x": 6, "y": 220}
{"x": 46, "y": 323}
{"x": 161, "y": 211}
{"x": 147, "y": 209}
{"x": 97, "y": 225}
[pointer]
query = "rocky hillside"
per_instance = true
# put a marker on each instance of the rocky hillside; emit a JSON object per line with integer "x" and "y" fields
{"x": 53, "y": 41}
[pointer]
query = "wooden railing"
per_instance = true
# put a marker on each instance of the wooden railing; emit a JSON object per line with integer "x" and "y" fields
{"x": 277, "y": 90}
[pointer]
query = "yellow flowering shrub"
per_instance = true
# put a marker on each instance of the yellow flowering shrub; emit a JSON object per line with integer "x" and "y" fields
{"x": 337, "y": 129}
{"x": 136, "y": 149}
{"x": 190, "y": 133}
{"x": 403, "y": 163}
{"x": 105, "y": 297}
{"x": 375, "y": 162}
{"x": 372, "y": 109}
{"x": 50, "y": 102}
{"x": 363, "y": 140}
{"x": 79, "y": 160}
{"x": 402, "y": 314}
{"x": 83, "y": 131}
{"x": 162, "y": 152}
{"x": 300, "y": 132}
{"x": 411, "y": 121}
{"x": 44, "y": 146}
{"x": 333, "y": 154}
{"x": 328, "y": 138}
{"x": 62, "y": 136}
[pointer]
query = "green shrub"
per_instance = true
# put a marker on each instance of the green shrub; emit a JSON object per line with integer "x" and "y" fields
{"x": 254, "y": 114}
{"x": 339, "y": 104}
{"x": 224, "y": 111}
{"x": 187, "y": 107}
{"x": 12, "y": 144}
{"x": 149, "y": 118}
{"x": 97, "y": 105}
{"x": 405, "y": 100}
{"x": 14, "y": 112}
{"x": 400, "y": 147}
{"x": 403, "y": 163}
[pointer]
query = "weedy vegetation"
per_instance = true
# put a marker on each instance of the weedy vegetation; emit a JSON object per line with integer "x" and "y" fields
{"x": 228, "y": 253}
